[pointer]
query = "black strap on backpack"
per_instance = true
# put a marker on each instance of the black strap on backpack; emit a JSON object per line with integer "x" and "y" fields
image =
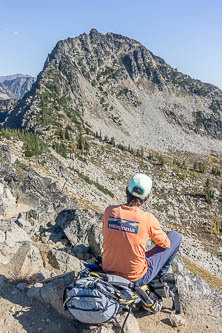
{"x": 125, "y": 320}
{"x": 176, "y": 301}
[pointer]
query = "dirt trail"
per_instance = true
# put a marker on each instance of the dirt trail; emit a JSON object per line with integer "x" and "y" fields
{"x": 14, "y": 211}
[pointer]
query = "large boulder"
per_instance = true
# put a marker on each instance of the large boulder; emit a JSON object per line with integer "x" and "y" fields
{"x": 189, "y": 283}
{"x": 22, "y": 261}
{"x": 52, "y": 291}
{"x": 13, "y": 233}
{"x": 8, "y": 173}
{"x": 20, "y": 185}
{"x": 131, "y": 324}
{"x": 64, "y": 261}
{"x": 95, "y": 239}
{"x": 76, "y": 223}
{"x": 43, "y": 194}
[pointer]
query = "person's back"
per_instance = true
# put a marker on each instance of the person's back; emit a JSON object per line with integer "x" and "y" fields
{"x": 126, "y": 229}
{"x": 125, "y": 233}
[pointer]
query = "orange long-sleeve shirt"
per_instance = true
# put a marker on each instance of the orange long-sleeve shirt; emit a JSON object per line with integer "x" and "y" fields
{"x": 125, "y": 233}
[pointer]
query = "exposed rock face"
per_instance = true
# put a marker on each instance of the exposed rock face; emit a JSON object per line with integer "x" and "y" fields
{"x": 76, "y": 223}
{"x": 64, "y": 262}
{"x": 7, "y": 101}
{"x": 20, "y": 86}
{"x": 5, "y": 153}
{"x": 12, "y": 77}
{"x": 118, "y": 87}
{"x": 5, "y": 93}
{"x": 21, "y": 185}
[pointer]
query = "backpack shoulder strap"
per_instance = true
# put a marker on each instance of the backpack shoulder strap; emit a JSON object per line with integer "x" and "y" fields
{"x": 176, "y": 301}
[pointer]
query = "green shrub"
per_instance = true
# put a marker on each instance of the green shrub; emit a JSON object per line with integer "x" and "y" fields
{"x": 60, "y": 148}
{"x": 200, "y": 166}
{"x": 209, "y": 192}
{"x": 82, "y": 143}
{"x": 112, "y": 141}
{"x": 33, "y": 144}
{"x": 216, "y": 171}
{"x": 162, "y": 160}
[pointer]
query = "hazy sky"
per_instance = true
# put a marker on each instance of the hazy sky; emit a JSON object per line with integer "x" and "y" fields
{"x": 187, "y": 34}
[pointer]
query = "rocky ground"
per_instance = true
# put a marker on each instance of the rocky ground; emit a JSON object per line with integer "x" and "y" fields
{"x": 51, "y": 222}
{"x": 20, "y": 314}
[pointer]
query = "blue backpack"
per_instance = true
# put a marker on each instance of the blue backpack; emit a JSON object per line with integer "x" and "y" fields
{"x": 96, "y": 297}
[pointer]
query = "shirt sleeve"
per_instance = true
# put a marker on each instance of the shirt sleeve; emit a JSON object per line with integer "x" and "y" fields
{"x": 156, "y": 233}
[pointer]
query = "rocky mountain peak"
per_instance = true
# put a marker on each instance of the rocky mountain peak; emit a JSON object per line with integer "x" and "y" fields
{"x": 94, "y": 33}
{"x": 113, "y": 84}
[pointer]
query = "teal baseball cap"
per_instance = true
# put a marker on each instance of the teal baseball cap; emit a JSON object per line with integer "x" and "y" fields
{"x": 141, "y": 181}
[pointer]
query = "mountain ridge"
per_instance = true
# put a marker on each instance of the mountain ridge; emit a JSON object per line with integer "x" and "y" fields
{"x": 12, "y": 76}
{"x": 115, "y": 85}
{"x": 20, "y": 86}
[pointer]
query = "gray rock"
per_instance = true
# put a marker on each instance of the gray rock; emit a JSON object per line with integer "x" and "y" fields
{"x": 9, "y": 174}
{"x": 64, "y": 262}
{"x": 52, "y": 292}
{"x": 44, "y": 274}
{"x": 5, "y": 153}
{"x": 81, "y": 252}
{"x": 95, "y": 239}
{"x": 188, "y": 282}
{"x": 25, "y": 262}
{"x": 43, "y": 194}
{"x": 2, "y": 236}
{"x": 13, "y": 233}
{"x": 25, "y": 225}
{"x": 176, "y": 320}
{"x": 75, "y": 223}
{"x": 131, "y": 325}
{"x": 17, "y": 235}
{"x": 1, "y": 189}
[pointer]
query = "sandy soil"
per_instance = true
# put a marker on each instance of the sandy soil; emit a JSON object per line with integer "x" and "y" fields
{"x": 14, "y": 211}
{"x": 197, "y": 320}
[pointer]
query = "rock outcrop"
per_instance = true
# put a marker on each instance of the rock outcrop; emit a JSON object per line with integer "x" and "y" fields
{"x": 7, "y": 101}
{"x": 45, "y": 238}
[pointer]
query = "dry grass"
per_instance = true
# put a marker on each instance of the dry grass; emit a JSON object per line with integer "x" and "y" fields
{"x": 213, "y": 281}
{"x": 85, "y": 204}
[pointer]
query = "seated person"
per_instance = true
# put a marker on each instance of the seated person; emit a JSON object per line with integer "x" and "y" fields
{"x": 126, "y": 229}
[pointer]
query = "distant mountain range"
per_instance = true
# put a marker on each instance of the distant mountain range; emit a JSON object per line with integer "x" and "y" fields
{"x": 114, "y": 85}
{"x": 7, "y": 101}
{"x": 13, "y": 76}
{"x": 12, "y": 88}
{"x": 5, "y": 93}
{"x": 20, "y": 85}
